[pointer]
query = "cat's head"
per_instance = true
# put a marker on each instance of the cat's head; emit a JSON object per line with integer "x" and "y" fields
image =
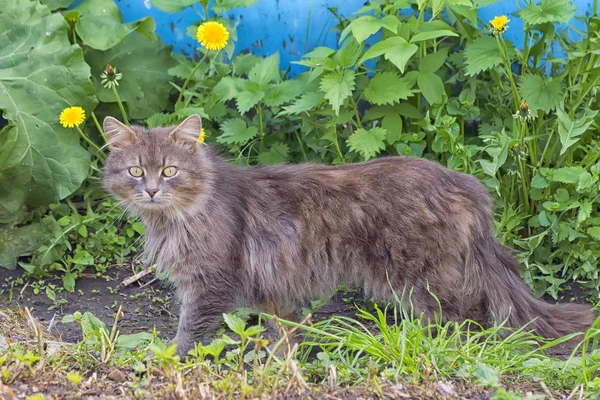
{"x": 161, "y": 170}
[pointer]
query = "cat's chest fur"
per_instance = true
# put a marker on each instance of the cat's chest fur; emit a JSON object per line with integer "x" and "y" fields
{"x": 183, "y": 247}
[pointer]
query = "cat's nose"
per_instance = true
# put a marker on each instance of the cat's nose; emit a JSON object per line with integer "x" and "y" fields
{"x": 152, "y": 192}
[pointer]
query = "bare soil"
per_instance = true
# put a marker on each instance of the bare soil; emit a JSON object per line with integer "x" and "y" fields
{"x": 147, "y": 304}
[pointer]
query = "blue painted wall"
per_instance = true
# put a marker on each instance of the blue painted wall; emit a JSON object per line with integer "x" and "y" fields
{"x": 292, "y": 27}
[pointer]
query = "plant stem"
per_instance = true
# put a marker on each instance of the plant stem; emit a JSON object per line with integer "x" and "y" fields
{"x": 99, "y": 127}
{"x": 185, "y": 83}
{"x": 515, "y": 92}
{"x": 336, "y": 143}
{"x": 94, "y": 145}
{"x": 260, "y": 128}
{"x": 524, "y": 180}
{"x": 74, "y": 34}
{"x": 123, "y": 113}
{"x": 525, "y": 60}
{"x": 304, "y": 156}
{"x": 355, "y": 107}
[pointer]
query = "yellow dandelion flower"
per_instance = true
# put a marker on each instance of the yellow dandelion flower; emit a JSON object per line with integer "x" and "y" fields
{"x": 499, "y": 24}
{"x": 212, "y": 35}
{"x": 202, "y": 136}
{"x": 72, "y": 117}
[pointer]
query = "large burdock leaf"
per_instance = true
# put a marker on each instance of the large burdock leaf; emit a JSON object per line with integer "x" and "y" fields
{"x": 40, "y": 74}
{"x": 99, "y": 24}
{"x": 144, "y": 63}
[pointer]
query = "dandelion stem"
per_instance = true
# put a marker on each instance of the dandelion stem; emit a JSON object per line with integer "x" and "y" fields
{"x": 123, "y": 113}
{"x": 99, "y": 127}
{"x": 185, "y": 83}
{"x": 94, "y": 145}
{"x": 509, "y": 74}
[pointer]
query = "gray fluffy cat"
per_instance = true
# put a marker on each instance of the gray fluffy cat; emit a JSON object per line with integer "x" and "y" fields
{"x": 272, "y": 237}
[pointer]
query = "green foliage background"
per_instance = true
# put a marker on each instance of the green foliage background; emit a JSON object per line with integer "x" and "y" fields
{"x": 444, "y": 87}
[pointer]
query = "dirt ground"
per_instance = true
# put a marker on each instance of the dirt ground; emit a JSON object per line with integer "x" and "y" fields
{"x": 147, "y": 303}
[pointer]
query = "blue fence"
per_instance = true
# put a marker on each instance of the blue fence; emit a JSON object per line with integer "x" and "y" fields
{"x": 292, "y": 27}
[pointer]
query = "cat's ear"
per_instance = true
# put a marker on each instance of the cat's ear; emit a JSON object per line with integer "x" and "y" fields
{"x": 118, "y": 134}
{"x": 188, "y": 132}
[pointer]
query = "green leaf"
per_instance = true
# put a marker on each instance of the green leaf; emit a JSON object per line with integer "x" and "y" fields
{"x": 145, "y": 85}
{"x": 432, "y": 87}
{"x": 305, "y": 103}
{"x": 68, "y": 281}
{"x": 367, "y": 143}
{"x": 570, "y": 130}
{"x": 277, "y": 154}
{"x": 283, "y": 92}
{"x": 337, "y": 87}
{"x": 486, "y": 376}
{"x": 265, "y": 71}
{"x": 90, "y": 324}
{"x": 560, "y": 11}
{"x": 434, "y": 61}
{"x": 243, "y": 63}
{"x": 82, "y": 257}
{"x": 499, "y": 154}
{"x": 235, "y": 131}
{"x": 387, "y": 88}
{"x": 594, "y": 232}
{"x": 539, "y": 182}
{"x": 585, "y": 211}
{"x": 567, "y": 174}
{"x": 246, "y": 100}
{"x": 172, "y": 6}
{"x": 254, "y": 330}
{"x": 482, "y": 55}
{"x": 139, "y": 227}
{"x": 348, "y": 54}
{"x": 41, "y": 73}
{"x": 56, "y": 4}
{"x": 235, "y": 323}
{"x": 134, "y": 341}
{"x": 422, "y": 36}
{"x": 221, "y": 6}
{"x": 100, "y": 24}
{"x": 541, "y": 94}
{"x": 83, "y": 231}
{"x": 228, "y": 87}
{"x": 395, "y": 49}
{"x": 586, "y": 181}
{"x": 391, "y": 23}
{"x": 20, "y": 242}
{"x": 362, "y": 28}
{"x": 561, "y": 195}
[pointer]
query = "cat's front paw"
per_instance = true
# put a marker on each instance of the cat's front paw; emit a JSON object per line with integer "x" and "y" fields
{"x": 183, "y": 346}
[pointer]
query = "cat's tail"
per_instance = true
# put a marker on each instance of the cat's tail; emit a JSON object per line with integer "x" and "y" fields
{"x": 493, "y": 272}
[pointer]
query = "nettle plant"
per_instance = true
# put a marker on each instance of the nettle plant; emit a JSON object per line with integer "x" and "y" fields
{"x": 429, "y": 79}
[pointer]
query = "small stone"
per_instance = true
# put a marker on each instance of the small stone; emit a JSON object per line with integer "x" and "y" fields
{"x": 117, "y": 376}
{"x": 3, "y": 343}
{"x": 444, "y": 389}
{"x": 396, "y": 392}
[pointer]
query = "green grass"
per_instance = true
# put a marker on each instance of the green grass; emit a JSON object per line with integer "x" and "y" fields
{"x": 368, "y": 355}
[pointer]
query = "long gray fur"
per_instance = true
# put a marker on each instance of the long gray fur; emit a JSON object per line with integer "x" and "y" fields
{"x": 272, "y": 237}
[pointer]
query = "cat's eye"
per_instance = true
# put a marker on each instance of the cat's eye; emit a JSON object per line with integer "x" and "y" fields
{"x": 136, "y": 171}
{"x": 169, "y": 171}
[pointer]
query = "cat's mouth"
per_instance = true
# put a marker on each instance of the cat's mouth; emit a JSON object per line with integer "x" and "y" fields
{"x": 152, "y": 204}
